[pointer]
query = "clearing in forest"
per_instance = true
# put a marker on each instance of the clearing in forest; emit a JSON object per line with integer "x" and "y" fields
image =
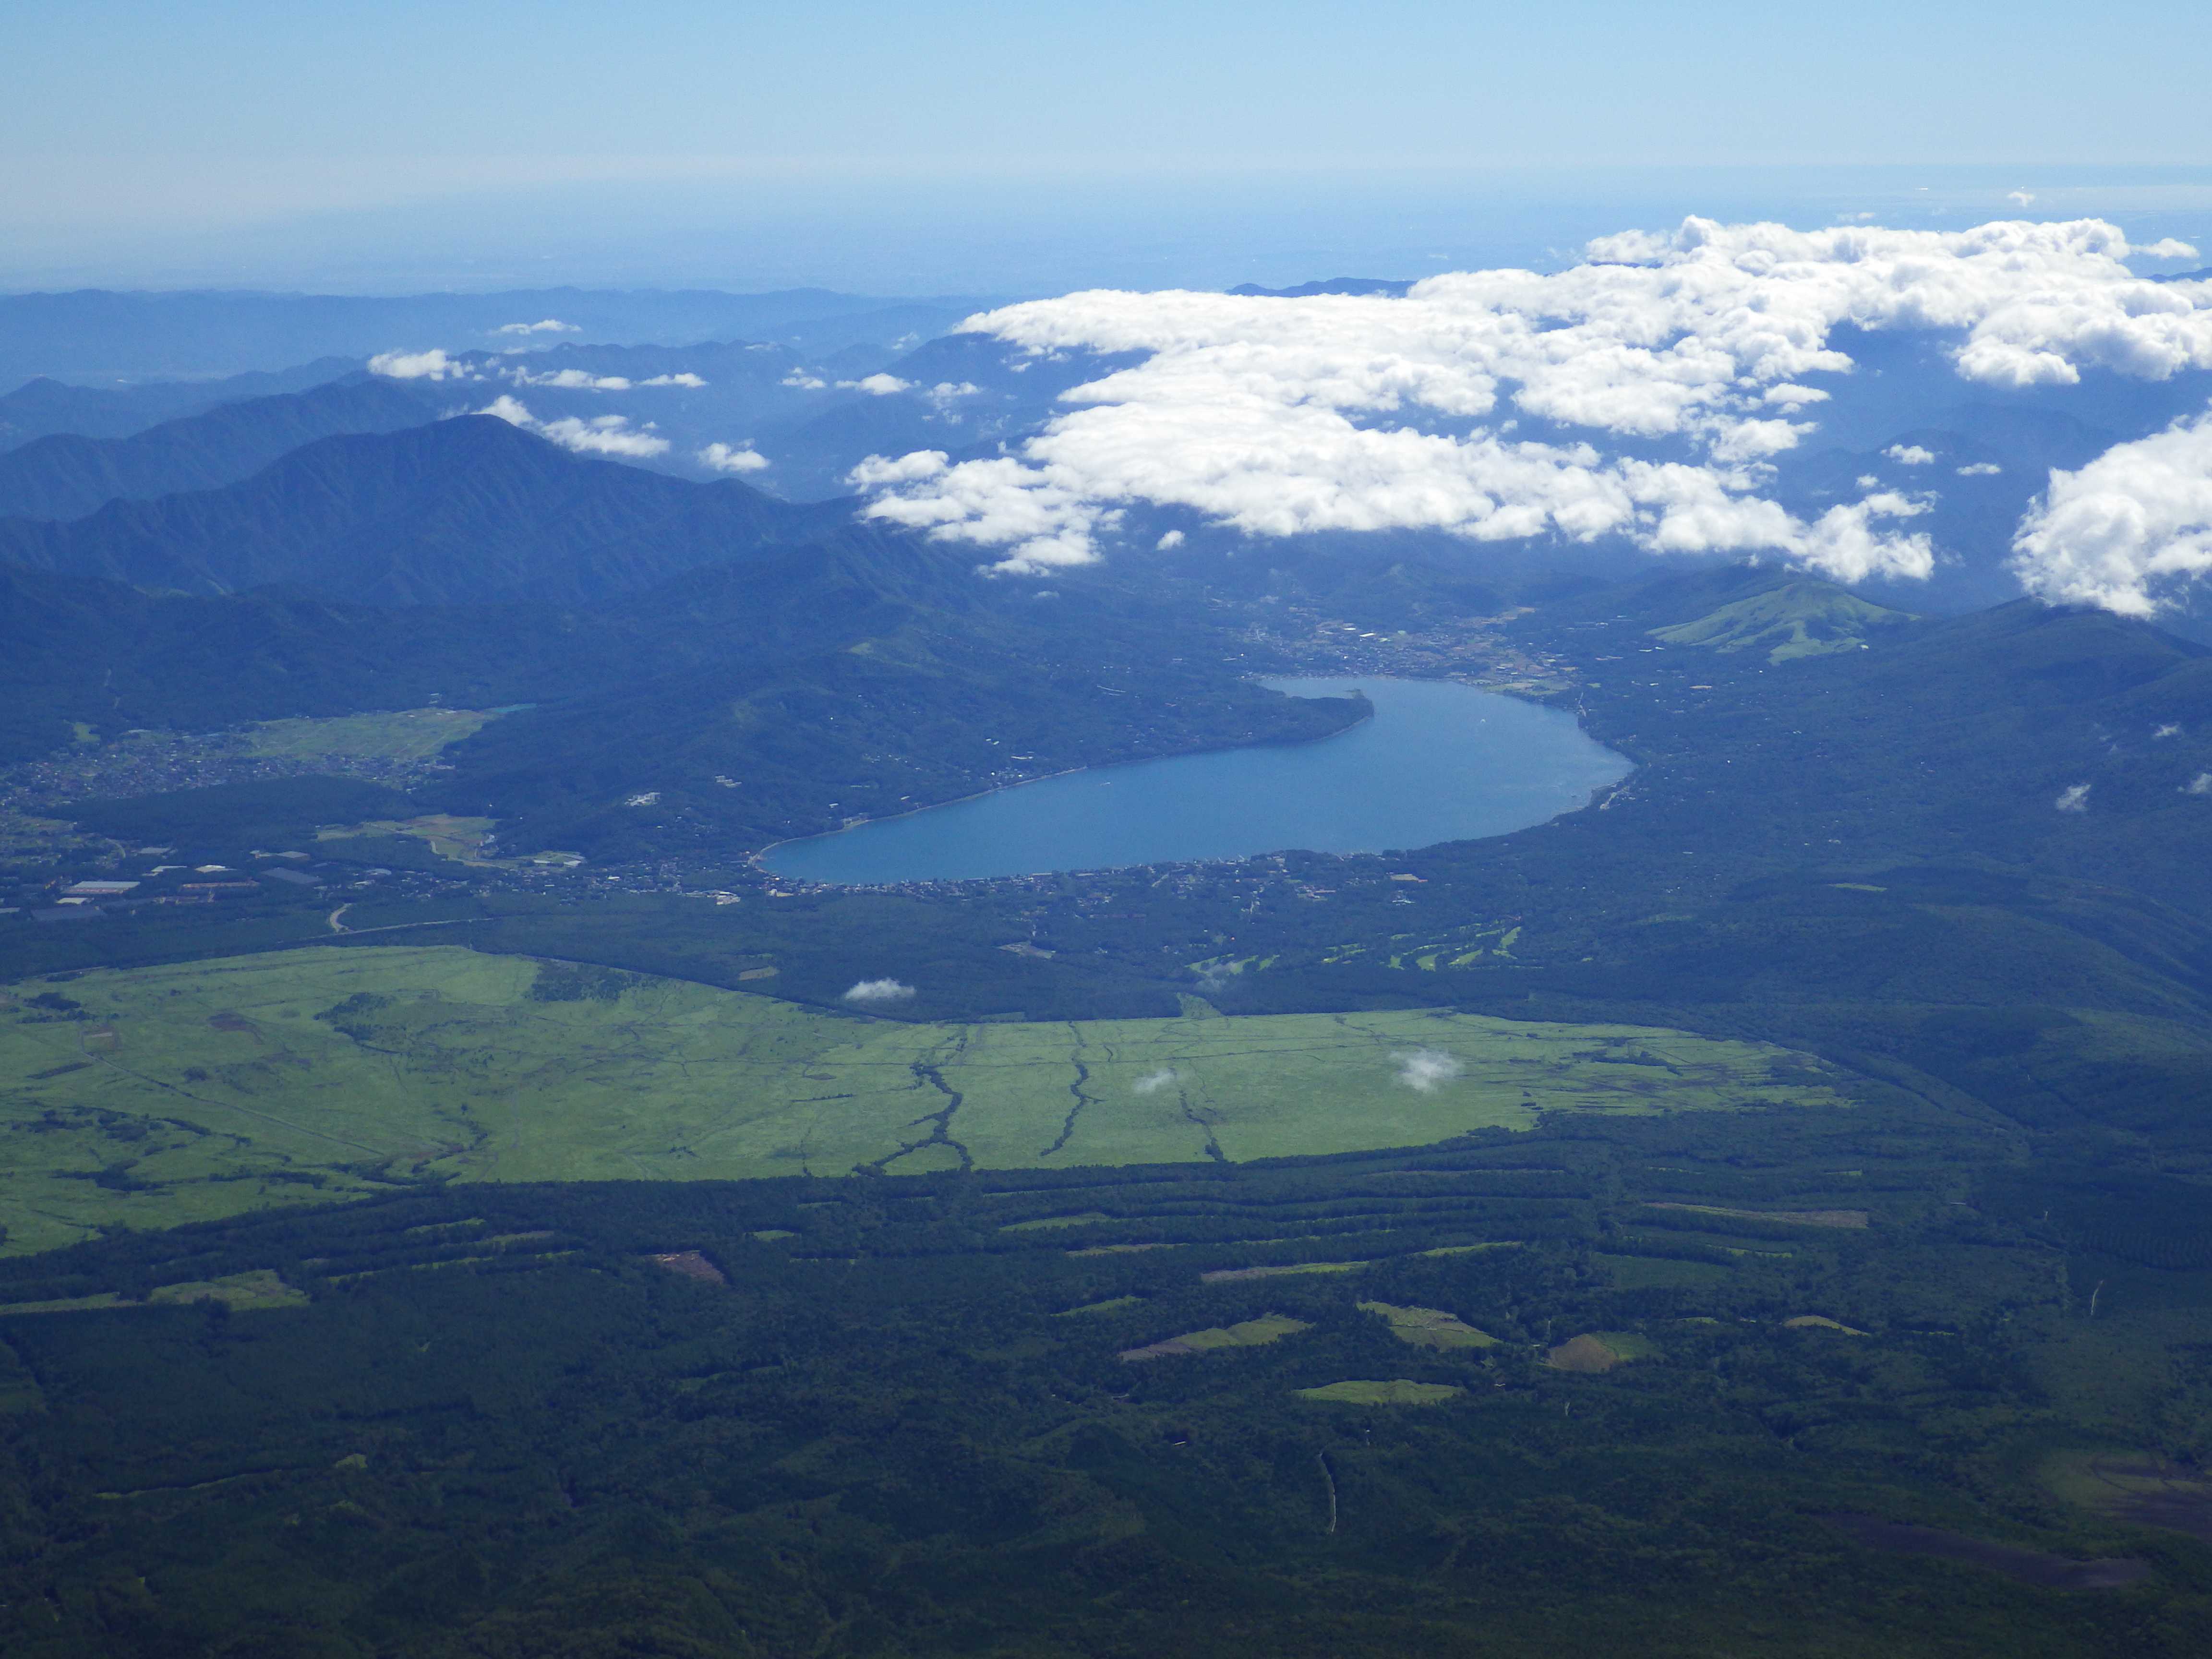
{"x": 1430, "y": 1328}
{"x": 1599, "y": 1351}
{"x": 1398, "y": 1391}
{"x": 1246, "y": 1333}
{"x": 307, "y": 1075}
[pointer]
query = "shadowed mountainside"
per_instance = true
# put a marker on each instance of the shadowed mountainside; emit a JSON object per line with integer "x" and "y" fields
{"x": 461, "y": 511}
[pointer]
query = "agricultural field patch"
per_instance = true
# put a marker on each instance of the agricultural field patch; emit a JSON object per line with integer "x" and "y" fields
{"x": 1246, "y": 1333}
{"x": 1397, "y": 1391}
{"x": 1645, "y": 1273}
{"x": 1429, "y": 1327}
{"x": 158, "y": 1096}
{"x": 1599, "y": 1351}
{"x": 403, "y": 734}
{"x": 254, "y": 1291}
{"x": 1786, "y": 1217}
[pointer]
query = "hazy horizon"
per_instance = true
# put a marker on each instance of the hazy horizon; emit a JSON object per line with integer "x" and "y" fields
{"x": 1016, "y": 237}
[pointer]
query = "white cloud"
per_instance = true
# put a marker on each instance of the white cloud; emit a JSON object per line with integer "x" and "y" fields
{"x": 1341, "y": 413}
{"x": 570, "y": 380}
{"x": 2022, "y": 198}
{"x": 802, "y": 381}
{"x": 875, "y": 385}
{"x": 880, "y": 472}
{"x": 1168, "y": 543}
{"x": 2075, "y": 798}
{"x": 1427, "y": 1069}
{"x": 732, "y": 458}
{"x": 546, "y": 325}
{"x": 879, "y": 990}
{"x": 2128, "y": 528}
{"x": 1910, "y": 454}
{"x": 1152, "y": 1082}
{"x": 431, "y": 365}
{"x": 2166, "y": 731}
{"x": 608, "y": 434}
{"x": 578, "y": 379}
{"x": 1980, "y": 469}
{"x": 2200, "y": 785}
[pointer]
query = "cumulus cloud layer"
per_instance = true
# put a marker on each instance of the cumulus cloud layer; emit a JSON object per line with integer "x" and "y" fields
{"x": 2126, "y": 529}
{"x": 1276, "y": 416}
{"x": 611, "y": 436}
{"x": 1428, "y": 1070}
{"x": 879, "y": 990}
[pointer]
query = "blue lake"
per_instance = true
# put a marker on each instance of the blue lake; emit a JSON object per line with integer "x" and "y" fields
{"x": 1439, "y": 762}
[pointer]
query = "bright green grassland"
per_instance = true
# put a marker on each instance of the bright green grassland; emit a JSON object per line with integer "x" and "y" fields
{"x": 402, "y": 735}
{"x": 177, "y": 1093}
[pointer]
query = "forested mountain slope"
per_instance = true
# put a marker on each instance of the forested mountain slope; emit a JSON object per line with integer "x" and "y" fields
{"x": 67, "y": 476}
{"x": 456, "y": 511}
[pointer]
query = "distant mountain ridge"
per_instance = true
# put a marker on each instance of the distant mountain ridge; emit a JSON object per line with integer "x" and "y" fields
{"x": 466, "y": 510}
{"x": 64, "y": 476}
{"x": 95, "y": 333}
{"x": 1327, "y": 285}
{"x": 42, "y": 405}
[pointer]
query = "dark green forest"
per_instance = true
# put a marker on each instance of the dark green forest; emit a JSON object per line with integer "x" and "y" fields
{"x": 879, "y": 1415}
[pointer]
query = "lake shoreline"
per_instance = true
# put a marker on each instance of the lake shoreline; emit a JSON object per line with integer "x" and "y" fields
{"x": 757, "y": 854}
{"x": 1427, "y": 760}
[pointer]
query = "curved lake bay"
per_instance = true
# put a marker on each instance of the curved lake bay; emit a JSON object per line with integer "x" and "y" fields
{"x": 1439, "y": 762}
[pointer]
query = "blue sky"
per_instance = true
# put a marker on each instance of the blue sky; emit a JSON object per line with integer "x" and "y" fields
{"x": 1006, "y": 148}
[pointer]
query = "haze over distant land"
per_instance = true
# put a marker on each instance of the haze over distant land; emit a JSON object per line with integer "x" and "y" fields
{"x": 1104, "y": 223}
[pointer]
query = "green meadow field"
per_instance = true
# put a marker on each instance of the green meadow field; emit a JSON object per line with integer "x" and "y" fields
{"x": 151, "y": 1097}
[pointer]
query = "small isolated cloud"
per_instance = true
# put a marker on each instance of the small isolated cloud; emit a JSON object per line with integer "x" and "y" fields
{"x": 570, "y": 380}
{"x": 2167, "y": 731}
{"x": 2075, "y": 798}
{"x": 544, "y": 326}
{"x": 1152, "y": 1082}
{"x": 2127, "y": 529}
{"x": 431, "y": 365}
{"x": 880, "y": 471}
{"x": 686, "y": 378}
{"x": 2020, "y": 198}
{"x": 1910, "y": 454}
{"x": 608, "y": 434}
{"x": 879, "y": 990}
{"x": 875, "y": 385}
{"x": 804, "y": 382}
{"x": 2200, "y": 785}
{"x": 1427, "y": 1069}
{"x": 1980, "y": 469}
{"x": 1170, "y": 542}
{"x": 732, "y": 458}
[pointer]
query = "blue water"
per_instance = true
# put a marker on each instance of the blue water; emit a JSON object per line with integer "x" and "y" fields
{"x": 1439, "y": 762}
